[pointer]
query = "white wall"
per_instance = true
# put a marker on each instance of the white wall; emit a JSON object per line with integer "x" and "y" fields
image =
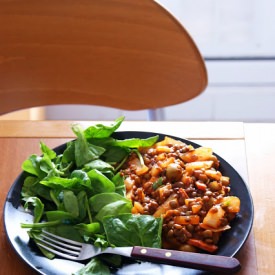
{"x": 228, "y": 28}
{"x": 237, "y": 39}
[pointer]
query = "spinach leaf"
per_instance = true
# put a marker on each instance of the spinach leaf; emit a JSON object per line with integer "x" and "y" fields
{"x": 83, "y": 178}
{"x": 66, "y": 231}
{"x": 119, "y": 184}
{"x": 115, "y": 154}
{"x": 48, "y": 166}
{"x": 32, "y": 166}
{"x": 32, "y": 188}
{"x": 136, "y": 142}
{"x": 38, "y": 208}
{"x": 97, "y": 202}
{"x": 47, "y": 151}
{"x": 41, "y": 225}
{"x": 59, "y": 215}
{"x": 28, "y": 188}
{"x": 130, "y": 230}
{"x": 114, "y": 209}
{"x": 85, "y": 152}
{"x": 103, "y": 131}
{"x": 89, "y": 229}
{"x": 35, "y": 235}
{"x": 94, "y": 267}
{"x": 64, "y": 183}
{"x": 42, "y": 166}
{"x": 100, "y": 183}
{"x": 100, "y": 241}
{"x": 69, "y": 153}
{"x": 71, "y": 203}
{"x": 101, "y": 166}
{"x": 80, "y": 194}
{"x": 83, "y": 206}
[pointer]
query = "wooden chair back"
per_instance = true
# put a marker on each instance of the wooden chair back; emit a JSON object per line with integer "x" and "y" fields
{"x": 126, "y": 54}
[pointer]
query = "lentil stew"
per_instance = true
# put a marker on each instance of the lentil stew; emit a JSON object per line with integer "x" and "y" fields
{"x": 184, "y": 186}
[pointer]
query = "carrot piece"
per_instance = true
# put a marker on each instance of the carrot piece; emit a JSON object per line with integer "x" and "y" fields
{"x": 202, "y": 245}
{"x": 183, "y": 193}
{"x": 201, "y": 185}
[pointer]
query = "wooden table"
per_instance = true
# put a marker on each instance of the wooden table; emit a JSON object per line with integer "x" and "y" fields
{"x": 249, "y": 148}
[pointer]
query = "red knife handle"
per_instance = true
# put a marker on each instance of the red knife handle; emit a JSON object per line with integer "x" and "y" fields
{"x": 207, "y": 262}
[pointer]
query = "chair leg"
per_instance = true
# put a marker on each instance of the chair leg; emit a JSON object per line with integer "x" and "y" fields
{"x": 155, "y": 114}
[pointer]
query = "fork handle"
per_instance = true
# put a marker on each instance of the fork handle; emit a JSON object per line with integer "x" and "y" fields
{"x": 207, "y": 262}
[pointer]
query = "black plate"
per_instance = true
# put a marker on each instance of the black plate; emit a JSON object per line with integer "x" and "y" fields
{"x": 230, "y": 243}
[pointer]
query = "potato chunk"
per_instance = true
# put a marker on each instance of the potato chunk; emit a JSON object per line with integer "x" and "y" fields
{"x": 214, "y": 216}
{"x": 191, "y": 166}
{"x": 232, "y": 203}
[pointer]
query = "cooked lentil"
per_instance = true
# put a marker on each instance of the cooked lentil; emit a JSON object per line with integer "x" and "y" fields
{"x": 182, "y": 185}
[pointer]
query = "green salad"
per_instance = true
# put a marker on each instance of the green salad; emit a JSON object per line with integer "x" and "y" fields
{"x": 80, "y": 194}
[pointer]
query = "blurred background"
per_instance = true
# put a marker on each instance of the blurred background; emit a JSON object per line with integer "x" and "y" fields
{"x": 237, "y": 40}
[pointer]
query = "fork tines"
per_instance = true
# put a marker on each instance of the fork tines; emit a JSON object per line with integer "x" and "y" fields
{"x": 60, "y": 246}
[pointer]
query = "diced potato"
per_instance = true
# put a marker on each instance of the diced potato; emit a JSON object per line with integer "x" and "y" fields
{"x": 199, "y": 154}
{"x": 163, "y": 149}
{"x": 138, "y": 167}
{"x": 187, "y": 201}
{"x": 142, "y": 170}
{"x": 168, "y": 141}
{"x": 166, "y": 162}
{"x": 193, "y": 201}
{"x": 192, "y": 219}
{"x": 129, "y": 194}
{"x": 187, "y": 179}
{"x": 155, "y": 170}
{"x": 198, "y": 165}
{"x": 163, "y": 208}
{"x": 137, "y": 208}
{"x": 189, "y": 156}
{"x": 204, "y": 153}
{"x": 232, "y": 203}
{"x": 129, "y": 183}
{"x": 225, "y": 180}
{"x": 213, "y": 174}
{"x": 220, "y": 229}
{"x": 196, "y": 208}
{"x": 213, "y": 216}
{"x": 161, "y": 157}
{"x": 163, "y": 190}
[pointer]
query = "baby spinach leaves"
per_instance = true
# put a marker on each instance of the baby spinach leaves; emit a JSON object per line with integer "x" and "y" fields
{"x": 80, "y": 193}
{"x": 85, "y": 151}
{"x": 103, "y": 131}
{"x": 38, "y": 208}
{"x": 129, "y": 230}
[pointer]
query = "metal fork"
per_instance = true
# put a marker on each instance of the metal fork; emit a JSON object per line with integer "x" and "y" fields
{"x": 77, "y": 251}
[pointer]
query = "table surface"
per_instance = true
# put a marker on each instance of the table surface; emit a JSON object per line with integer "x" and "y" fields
{"x": 249, "y": 148}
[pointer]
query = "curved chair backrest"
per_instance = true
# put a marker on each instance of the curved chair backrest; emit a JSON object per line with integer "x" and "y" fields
{"x": 125, "y": 54}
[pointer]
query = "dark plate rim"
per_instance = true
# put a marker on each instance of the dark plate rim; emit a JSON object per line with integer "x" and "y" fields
{"x": 249, "y": 216}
